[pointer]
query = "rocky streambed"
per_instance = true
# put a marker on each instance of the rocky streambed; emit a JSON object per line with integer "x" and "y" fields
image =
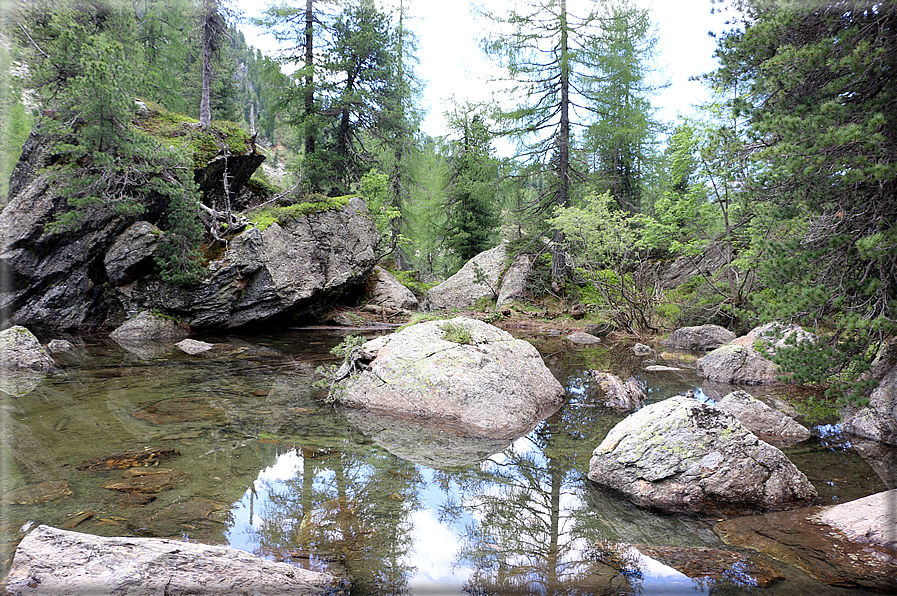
{"x": 236, "y": 446}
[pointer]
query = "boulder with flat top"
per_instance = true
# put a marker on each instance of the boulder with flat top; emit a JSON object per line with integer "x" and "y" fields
{"x": 56, "y": 562}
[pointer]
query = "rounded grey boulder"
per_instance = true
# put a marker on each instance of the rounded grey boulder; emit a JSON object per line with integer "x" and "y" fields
{"x": 20, "y": 349}
{"x": 461, "y": 371}
{"x": 685, "y": 456}
{"x": 703, "y": 337}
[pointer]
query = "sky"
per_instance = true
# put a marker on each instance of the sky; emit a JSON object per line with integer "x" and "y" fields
{"x": 452, "y": 66}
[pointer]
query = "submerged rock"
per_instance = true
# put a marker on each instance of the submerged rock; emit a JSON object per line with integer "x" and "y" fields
{"x": 478, "y": 278}
{"x": 463, "y": 371}
{"x": 765, "y": 422}
{"x": 715, "y": 565}
{"x": 33, "y": 494}
{"x": 21, "y": 350}
{"x": 618, "y": 394}
{"x": 703, "y": 337}
{"x": 851, "y": 545}
{"x": 684, "y": 456}
{"x": 52, "y": 561}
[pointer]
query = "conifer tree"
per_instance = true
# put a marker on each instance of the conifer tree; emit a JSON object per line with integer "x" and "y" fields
{"x": 817, "y": 91}
{"x": 471, "y": 194}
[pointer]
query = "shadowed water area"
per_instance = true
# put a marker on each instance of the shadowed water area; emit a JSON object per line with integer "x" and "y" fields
{"x": 237, "y": 446}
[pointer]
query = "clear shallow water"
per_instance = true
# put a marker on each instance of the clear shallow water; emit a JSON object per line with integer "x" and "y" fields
{"x": 265, "y": 466}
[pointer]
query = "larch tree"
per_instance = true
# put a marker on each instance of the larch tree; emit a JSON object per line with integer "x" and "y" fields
{"x": 620, "y": 88}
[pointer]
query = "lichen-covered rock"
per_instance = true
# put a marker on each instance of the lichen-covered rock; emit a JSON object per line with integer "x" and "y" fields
{"x": 386, "y": 290}
{"x": 149, "y": 327}
{"x": 738, "y": 365}
{"x": 878, "y": 420}
{"x": 767, "y": 423}
{"x": 685, "y": 456}
{"x": 20, "y": 349}
{"x": 618, "y": 394}
{"x": 56, "y": 562}
{"x": 851, "y": 545}
{"x": 478, "y": 278}
{"x": 703, "y": 337}
{"x": 774, "y": 336}
{"x": 513, "y": 282}
{"x": 462, "y": 371}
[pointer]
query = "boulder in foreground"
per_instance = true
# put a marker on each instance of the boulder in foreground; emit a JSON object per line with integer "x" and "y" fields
{"x": 685, "y": 456}
{"x": 461, "y": 371}
{"x": 62, "y": 563}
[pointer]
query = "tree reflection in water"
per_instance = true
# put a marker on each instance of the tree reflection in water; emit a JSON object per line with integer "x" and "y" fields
{"x": 348, "y": 507}
{"x": 528, "y": 535}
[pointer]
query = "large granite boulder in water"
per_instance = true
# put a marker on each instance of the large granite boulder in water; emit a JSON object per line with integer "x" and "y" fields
{"x": 878, "y": 420}
{"x": 50, "y": 561}
{"x": 464, "y": 372}
{"x": 737, "y": 365}
{"x": 769, "y": 424}
{"x": 478, "y": 278}
{"x": 685, "y": 456}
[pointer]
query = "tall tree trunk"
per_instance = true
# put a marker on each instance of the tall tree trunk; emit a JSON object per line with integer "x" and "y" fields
{"x": 558, "y": 255}
{"x": 309, "y": 77}
{"x": 210, "y": 12}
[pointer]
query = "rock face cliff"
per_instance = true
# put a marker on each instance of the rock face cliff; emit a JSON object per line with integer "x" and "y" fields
{"x": 105, "y": 272}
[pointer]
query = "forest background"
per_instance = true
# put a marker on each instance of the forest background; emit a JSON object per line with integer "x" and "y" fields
{"x": 780, "y": 190}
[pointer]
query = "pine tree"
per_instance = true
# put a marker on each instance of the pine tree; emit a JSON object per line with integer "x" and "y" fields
{"x": 817, "y": 90}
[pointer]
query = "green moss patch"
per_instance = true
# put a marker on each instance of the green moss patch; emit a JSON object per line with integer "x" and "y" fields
{"x": 276, "y": 214}
{"x": 185, "y": 133}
